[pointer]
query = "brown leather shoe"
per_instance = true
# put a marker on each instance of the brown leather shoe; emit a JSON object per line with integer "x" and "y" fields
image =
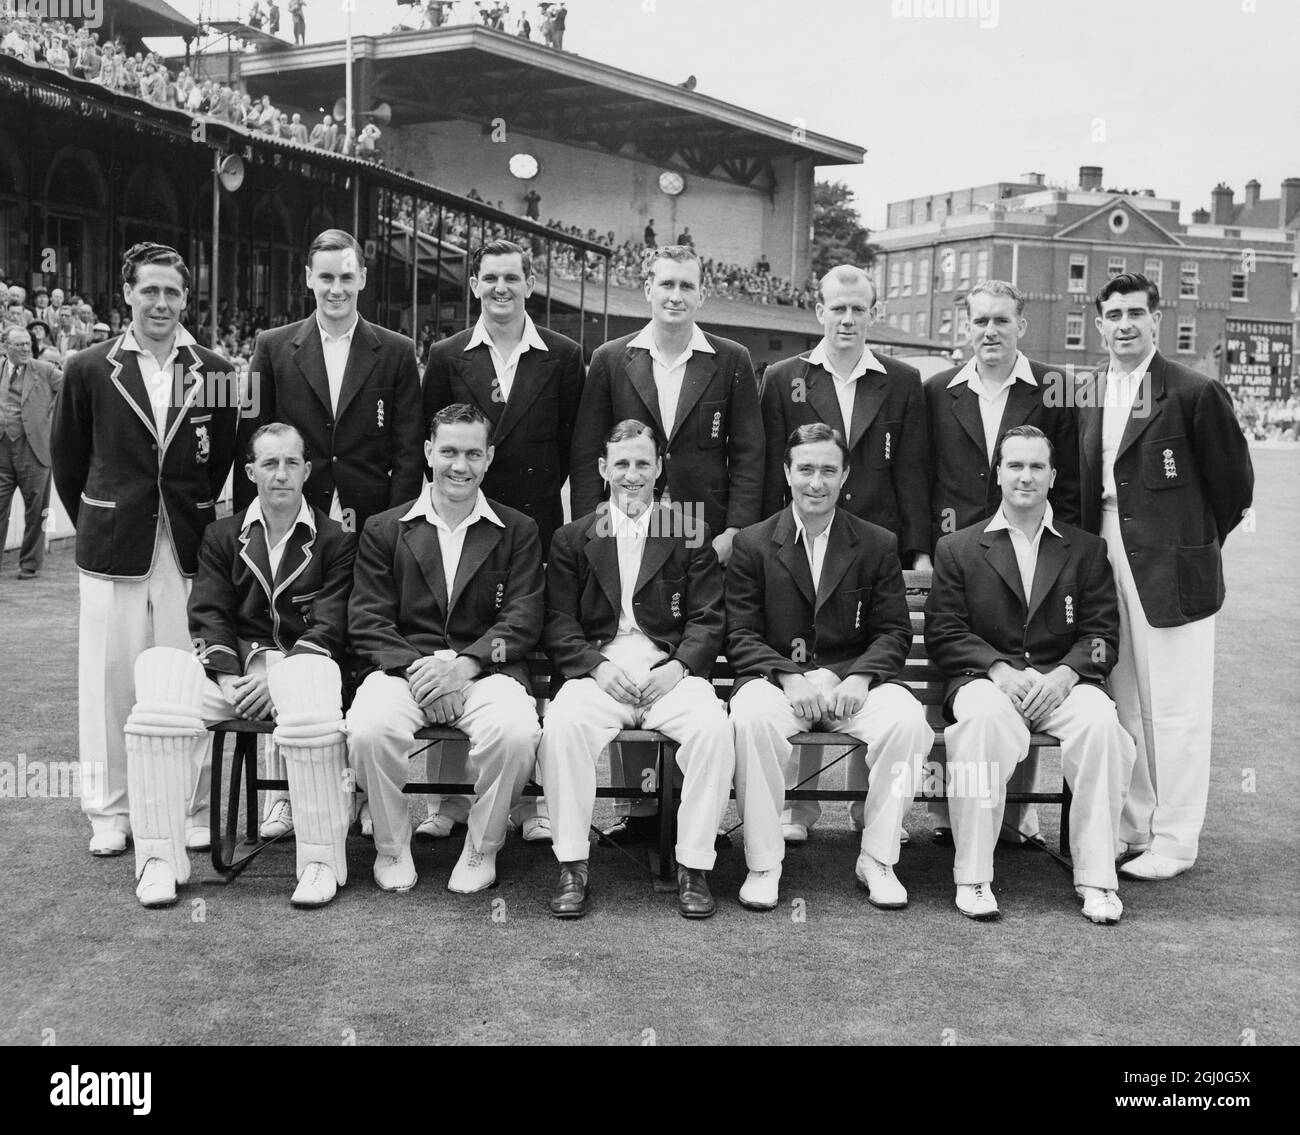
{"x": 570, "y": 897}
{"x": 694, "y": 899}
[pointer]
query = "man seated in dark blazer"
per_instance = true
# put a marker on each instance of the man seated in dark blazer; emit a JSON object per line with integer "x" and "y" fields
{"x": 269, "y": 604}
{"x": 1023, "y": 619}
{"x": 817, "y": 630}
{"x": 447, "y": 601}
{"x": 350, "y": 386}
{"x": 968, "y": 408}
{"x": 527, "y": 380}
{"x": 876, "y": 403}
{"x": 699, "y": 393}
{"x": 634, "y": 622}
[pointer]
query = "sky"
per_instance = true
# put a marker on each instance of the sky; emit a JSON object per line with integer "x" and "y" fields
{"x": 1170, "y": 95}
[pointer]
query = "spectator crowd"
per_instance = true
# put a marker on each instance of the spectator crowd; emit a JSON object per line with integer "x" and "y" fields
{"x": 542, "y": 23}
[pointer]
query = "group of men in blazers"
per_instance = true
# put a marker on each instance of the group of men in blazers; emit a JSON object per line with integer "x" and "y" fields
{"x": 810, "y": 493}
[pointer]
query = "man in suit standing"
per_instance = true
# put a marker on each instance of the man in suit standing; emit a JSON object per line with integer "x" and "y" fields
{"x": 634, "y": 623}
{"x": 968, "y": 408}
{"x": 527, "y": 381}
{"x": 350, "y": 387}
{"x": 1165, "y": 475}
{"x": 447, "y": 601}
{"x": 699, "y": 393}
{"x": 817, "y": 629}
{"x": 142, "y": 442}
{"x": 877, "y": 405}
{"x": 1023, "y": 619}
{"x": 28, "y": 390}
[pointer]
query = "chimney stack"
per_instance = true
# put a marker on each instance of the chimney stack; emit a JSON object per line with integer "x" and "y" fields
{"x": 1221, "y": 205}
{"x": 1090, "y": 177}
{"x": 1200, "y": 216}
{"x": 1290, "y": 200}
{"x": 1252, "y": 192}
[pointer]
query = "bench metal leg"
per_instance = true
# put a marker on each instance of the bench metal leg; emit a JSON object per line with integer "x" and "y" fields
{"x": 229, "y": 856}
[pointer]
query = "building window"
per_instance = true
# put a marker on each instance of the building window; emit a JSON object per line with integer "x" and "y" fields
{"x": 1115, "y": 266}
{"x": 878, "y": 278}
{"x": 905, "y": 321}
{"x": 964, "y": 274}
{"x": 963, "y": 325}
{"x": 893, "y": 320}
{"x": 1078, "y": 274}
{"x": 922, "y": 322}
{"x": 1154, "y": 270}
{"x": 947, "y": 269}
{"x": 1186, "y": 336}
{"x": 945, "y": 321}
{"x": 893, "y": 277}
{"x": 929, "y": 210}
{"x": 1074, "y": 330}
{"x": 981, "y": 265}
{"x": 1239, "y": 284}
{"x": 1189, "y": 280}
{"x": 907, "y": 278}
{"x": 923, "y": 277}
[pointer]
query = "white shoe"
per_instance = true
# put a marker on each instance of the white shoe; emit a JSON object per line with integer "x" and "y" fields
{"x": 1102, "y": 907}
{"x": 316, "y": 887}
{"x": 794, "y": 833}
{"x": 367, "y": 824}
{"x": 903, "y": 837}
{"x": 395, "y": 872}
{"x": 105, "y": 845}
{"x": 157, "y": 886}
{"x": 474, "y": 871}
{"x": 436, "y": 826}
{"x": 278, "y": 822}
{"x": 975, "y": 900}
{"x": 1152, "y": 865}
{"x": 881, "y": 884}
{"x": 537, "y": 829}
{"x": 198, "y": 839}
{"x": 760, "y": 888}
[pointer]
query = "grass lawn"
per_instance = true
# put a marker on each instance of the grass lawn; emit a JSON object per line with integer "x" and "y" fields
{"x": 1197, "y": 960}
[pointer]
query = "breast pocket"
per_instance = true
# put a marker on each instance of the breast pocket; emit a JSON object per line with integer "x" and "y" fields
{"x": 1167, "y": 463}
{"x": 378, "y": 408}
{"x": 712, "y": 430}
{"x": 1062, "y": 608}
{"x": 672, "y": 599}
{"x": 855, "y": 607}
{"x": 883, "y": 444}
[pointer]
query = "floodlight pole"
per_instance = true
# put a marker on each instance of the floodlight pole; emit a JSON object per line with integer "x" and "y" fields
{"x": 216, "y": 243}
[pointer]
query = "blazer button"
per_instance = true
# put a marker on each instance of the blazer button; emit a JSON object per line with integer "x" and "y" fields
{"x": 983, "y": 476}
{"x": 154, "y": 448}
{"x": 848, "y": 496}
{"x": 333, "y": 458}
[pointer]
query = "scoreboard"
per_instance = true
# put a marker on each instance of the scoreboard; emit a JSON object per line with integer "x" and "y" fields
{"x": 1257, "y": 359}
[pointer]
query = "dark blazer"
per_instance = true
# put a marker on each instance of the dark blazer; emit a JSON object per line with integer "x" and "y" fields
{"x": 712, "y": 454}
{"x": 857, "y": 623}
{"x": 41, "y": 386}
{"x": 532, "y": 433}
{"x": 977, "y": 612}
{"x": 237, "y": 609}
{"x": 1184, "y": 478}
{"x": 887, "y": 443}
{"x": 399, "y": 612}
{"x": 115, "y": 474}
{"x": 373, "y": 452}
{"x": 963, "y": 482}
{"x": 677, "y": 602}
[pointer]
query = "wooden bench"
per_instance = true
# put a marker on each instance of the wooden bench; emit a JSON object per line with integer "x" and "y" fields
{"x": 230, "y": 855}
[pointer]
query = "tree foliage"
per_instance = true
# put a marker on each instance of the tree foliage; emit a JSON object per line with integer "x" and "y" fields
{"x": 839, "y": 236}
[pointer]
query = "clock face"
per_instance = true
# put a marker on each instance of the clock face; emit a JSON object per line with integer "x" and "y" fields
{"x": 671, "y": 182}
{"x": 524, "y": 166}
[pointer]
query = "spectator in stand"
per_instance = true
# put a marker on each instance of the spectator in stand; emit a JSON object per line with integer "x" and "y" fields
{"x": 686, "y": 237}
{"x": 650, "y": 241}
{"x": 273, "y": 19}
{"x": 325, "y": 135}
{"x": 297, "y": 131}
{"x": 256, "y": 18}
{"x": 56, "y": 55}
{"x": 43, "y": 350}
{"x": 561, "y": 16}
{"x": 367, "y": 142}
{"x": 299, "y": 22}
{"x": 68, "y": 336}
{"x": 532, "y": 199}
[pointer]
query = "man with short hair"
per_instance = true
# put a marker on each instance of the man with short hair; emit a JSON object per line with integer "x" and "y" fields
{"x": 29, "y": 390}
{"x": 1022, "y": 619}
{"x": 68, "y": 336}
{"x": 299, "y": 22}
{"x": 268, "y": 614}
{"x": 141, "y": 451}
{"x": 351, "y": 387}
{"x": 297, "y": 131}
{"x": 634, "y": 623}
{"x": 446, "y": 603}
{"x": 1165, "y": 475}
{"x": 817, "y": 632}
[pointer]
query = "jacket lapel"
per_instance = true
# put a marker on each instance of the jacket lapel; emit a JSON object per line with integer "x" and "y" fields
{"x": 839, "y": 557}
{"x": 793, "y": 557}
{"x": 1092, "y": 393}
{"x": 481, "y": 538}
{"x": 640, "y": 373}
{"x": 188, "y": 358}
{"x": 966, "y": 409}
{"x": 310, "y": 361}
{"x": 1021, "y": 400}
{"x": 658, "y": 547}
{"x": 700, "y": 369}
{"x": 820, "y": 389}
{"x": 362, "y": 359}
{"x": 481, "y": 378}
{"x": 531, "y": 377}
{"x": 868, "y": 396}
{"x": 421, "y": 539}
{"x": 125, "y": 376}
{"x": 254, "y": 553}
{"x": 1052, "y": 554}
{"x": 1002, "y": 559}
{"x": 297, "y": 555}
{"x": 602, "y": 554}
{"x": 1149, "y": 403}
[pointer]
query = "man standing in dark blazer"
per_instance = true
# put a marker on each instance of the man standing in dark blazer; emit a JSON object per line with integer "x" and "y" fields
{"x": 968, "y": 409}
{"x": 699, "y": 393}
{"x": 447, "y": 601}
{"x": 144, "y": 436}
{"x": 1023, "y": 620}
{"x": 28, "y": 391}
{"x": 1165, "y": 475}
{"x": 634, "y": 623}
{"x": 817, "y": 631}
{"x": 527, "y": 381}
{"x": 350, "y": 387}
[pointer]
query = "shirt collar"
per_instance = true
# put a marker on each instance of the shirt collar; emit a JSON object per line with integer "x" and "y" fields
{"x": 868, "y": 362}
{"x": 970, "y": 374}
{"x": 1000, "y": 521}
{"x": 422, "y": 509}
{"x": 645, "y": 339}
{"x": 346, "y": 337}
{"x": 799, "y": 529}
{"x": 129, "y": 342}
{"x": 625, "y": 525}
{"x": 1112, "y": 375}
{"x": 254, "y": 513}
{"x": 480, "y": 336}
